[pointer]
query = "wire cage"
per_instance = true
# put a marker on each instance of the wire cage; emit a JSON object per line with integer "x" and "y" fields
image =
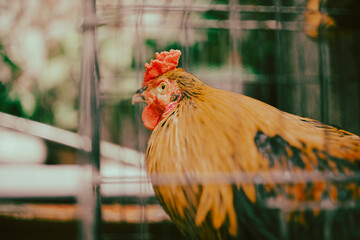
{"x": 300, "y": 56}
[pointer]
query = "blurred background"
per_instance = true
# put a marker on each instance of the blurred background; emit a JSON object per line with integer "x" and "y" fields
{"x": 301, "y": 56}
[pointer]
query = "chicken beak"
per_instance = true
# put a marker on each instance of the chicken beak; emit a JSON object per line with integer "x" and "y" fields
{"x": 138, "y": 97}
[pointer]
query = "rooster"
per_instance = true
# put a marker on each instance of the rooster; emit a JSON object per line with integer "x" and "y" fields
{"x": 200, "y": 131}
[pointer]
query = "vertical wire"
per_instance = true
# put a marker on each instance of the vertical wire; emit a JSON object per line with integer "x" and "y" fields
{"x": 139, "y": 67}
{"x": 279, "y": 73}
{"x": 283, "y": 227}
{"x": 89, "y": 202}
{"x": 302, "y": 80}
{"x": 301, "y": 76}
{"x": 184, "y": 40}
{"x": 279, "y": 45}
{"x": 184, "y": 30}
{"x": 235, "y": 37}
{"x": 278, "y": 55}
{"x": 234, "y": 18}
{"x": 283, "y": 216}
{"x": 119, "y": 28}
{"x": 324, "y": 71}
{"x": 324, "y": 79}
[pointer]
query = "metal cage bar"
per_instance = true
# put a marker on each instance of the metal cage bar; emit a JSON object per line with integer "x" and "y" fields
{"x": 89, "y": 128}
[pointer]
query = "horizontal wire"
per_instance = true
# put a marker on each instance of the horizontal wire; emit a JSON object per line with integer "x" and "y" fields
{"x": 114, "y": 14}
{"x": 216, "y": 7}
{"x": 213, "y": 24}
{"x": 273, "y": 177}
{"x": 323, "y": 204}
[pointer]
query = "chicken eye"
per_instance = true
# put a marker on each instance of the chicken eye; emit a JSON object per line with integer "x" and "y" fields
{"x": 162, "y": 87}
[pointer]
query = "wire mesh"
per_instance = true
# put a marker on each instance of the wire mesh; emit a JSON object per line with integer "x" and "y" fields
{"x": 259, "y": 48}
{"x": 276, "y": 51}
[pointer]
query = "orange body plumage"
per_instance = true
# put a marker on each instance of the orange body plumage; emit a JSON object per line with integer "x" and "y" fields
{"x": 202, "y": 131}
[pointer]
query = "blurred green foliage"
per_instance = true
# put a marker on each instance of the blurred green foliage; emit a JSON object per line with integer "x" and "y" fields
{"x": 7, "y": 103}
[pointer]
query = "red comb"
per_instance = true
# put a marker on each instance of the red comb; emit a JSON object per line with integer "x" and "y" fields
{"x": 164, "y": 62}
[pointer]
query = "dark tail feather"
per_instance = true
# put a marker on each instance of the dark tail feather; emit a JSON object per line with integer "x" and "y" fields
{"x": 256, "y": 221}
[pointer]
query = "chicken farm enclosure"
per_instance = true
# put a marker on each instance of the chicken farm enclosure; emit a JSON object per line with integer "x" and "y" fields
{"x": 301, "y": 56}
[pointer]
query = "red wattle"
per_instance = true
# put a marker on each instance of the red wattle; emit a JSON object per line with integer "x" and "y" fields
{"x": 151, "y": 117}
